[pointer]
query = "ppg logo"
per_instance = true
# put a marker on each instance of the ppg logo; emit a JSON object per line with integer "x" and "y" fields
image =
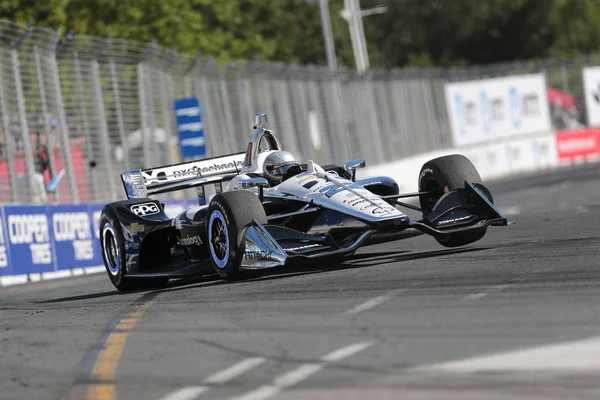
{"x": 145, "y": 209}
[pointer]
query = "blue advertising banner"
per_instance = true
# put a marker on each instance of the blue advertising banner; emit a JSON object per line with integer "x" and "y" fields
{"x": 73, "y": 236}
{"x": 95, "y": 210}
{"x": 5, "y": 265}
{"x": 29, "y": 236}
{"x": 190, "y": 128}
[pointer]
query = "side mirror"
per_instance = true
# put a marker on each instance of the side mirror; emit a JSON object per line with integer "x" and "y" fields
{"x": 254, "y": 182}
{"x": 352, "y": 165}
{"x": 259, "y": 182}
{"x": 260, "y": 120}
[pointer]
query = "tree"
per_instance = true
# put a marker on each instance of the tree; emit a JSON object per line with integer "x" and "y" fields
{"x": 443, "y": 32}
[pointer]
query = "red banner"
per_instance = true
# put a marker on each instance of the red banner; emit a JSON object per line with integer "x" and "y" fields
{"x": 578, "y": 143}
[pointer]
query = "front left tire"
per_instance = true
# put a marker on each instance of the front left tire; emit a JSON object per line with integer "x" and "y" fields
{"x": 228, "y": 214}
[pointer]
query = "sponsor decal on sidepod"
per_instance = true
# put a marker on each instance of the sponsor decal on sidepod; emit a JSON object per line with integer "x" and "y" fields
{"x": 145, "y": 209}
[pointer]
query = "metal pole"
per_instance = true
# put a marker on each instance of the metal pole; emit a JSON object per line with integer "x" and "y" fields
{"x": 102, "y": 127}
{"x": 166, "y": 112}
{"x": 143, "y": 114}
{"x": 89, "y": 148}
{"x": 328, "y": 34}
{"x": 357, "y": 35}
{"x": 156, "y": 149}
{"x": 49, "y": 137}
{"x": 27, "y": 148}
{"x": 8, "y": 138}
{"x": 118, "y": 108}
{"x": 63, "y": 129}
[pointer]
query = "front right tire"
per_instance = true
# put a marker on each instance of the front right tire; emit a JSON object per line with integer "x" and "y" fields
{"x": 444, "y": 174}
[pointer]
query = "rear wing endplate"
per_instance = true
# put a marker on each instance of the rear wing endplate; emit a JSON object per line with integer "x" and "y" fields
{"x": 141, "y": 183}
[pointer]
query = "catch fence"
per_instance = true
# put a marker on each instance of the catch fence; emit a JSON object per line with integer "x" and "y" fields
{"x": 79, "y": 110}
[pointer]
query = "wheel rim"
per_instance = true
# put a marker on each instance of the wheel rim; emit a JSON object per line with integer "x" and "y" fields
{"x": 432, "y": 186}
{"x": 218, "y": 239}
{"x": 111, "y": 249}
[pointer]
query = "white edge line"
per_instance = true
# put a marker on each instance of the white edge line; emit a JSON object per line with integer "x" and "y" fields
{"x": 375, "y": 301}
{"x": 94, "y": 270}
{"x": 235, "y": 370}
{"x": 297, "y": 375}
{"x": 56, "y": 274}
{"x": 302, "y": 372}
{"x": 186, "y": 393}
{"x": 10, "y": 280}
{"x": 191, "y": 392}
{"x": 345, "y": 352}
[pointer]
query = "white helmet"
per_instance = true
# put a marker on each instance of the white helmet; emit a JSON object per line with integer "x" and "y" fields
{"x": 279, "y": 166}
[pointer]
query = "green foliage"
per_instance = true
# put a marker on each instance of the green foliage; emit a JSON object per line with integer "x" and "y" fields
{"x": 454, "y": 32}
{"x": 411, "y": 32}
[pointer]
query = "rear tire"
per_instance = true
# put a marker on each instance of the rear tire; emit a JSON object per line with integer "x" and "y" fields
{"x": 445, "y": 174}
{"x": 112, "y": 243}
{"x": 228, "y": 214}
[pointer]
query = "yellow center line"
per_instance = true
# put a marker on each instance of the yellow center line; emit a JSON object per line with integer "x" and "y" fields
{"x": 105, "y": 367}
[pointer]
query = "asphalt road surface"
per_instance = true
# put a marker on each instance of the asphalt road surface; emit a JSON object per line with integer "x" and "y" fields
{"x": 514, "y": 316}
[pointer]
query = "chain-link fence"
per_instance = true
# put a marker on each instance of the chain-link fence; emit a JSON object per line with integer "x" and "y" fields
{"x": 78, "y": 111}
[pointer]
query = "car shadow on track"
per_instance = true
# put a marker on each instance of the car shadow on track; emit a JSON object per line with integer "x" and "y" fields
{"x": 357, "y": 261}
{"x": 199, "y": 281}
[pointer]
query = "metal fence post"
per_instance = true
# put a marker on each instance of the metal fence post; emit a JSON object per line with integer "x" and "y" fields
{"x": 229, "y": 123}
{"x": 143, "y": 112}
{"x": 102, "y": 126}
{"x": 30, "y": 170}
{"x": 9, "y": 140}
{"x": 42, "y": 89}
{"x": 152, "y": 122}
{"x": 63, "y": 129}
{"x": 119, "y": 111}
{"x": 84, "y": 117}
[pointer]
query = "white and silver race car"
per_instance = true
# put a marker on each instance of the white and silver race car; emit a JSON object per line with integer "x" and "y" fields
{"x": 271, "y": 210}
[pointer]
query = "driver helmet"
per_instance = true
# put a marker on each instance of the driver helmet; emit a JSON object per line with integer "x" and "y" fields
{"x": 279, "y": 166}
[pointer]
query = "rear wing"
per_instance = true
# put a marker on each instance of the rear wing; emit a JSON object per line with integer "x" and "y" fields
{"x": 141, "y": 183}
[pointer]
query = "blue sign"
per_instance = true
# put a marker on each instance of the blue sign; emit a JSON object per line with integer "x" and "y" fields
{"x": 29, "y": 236}
{"x": 95, "y": 211}
{"x": 36, "y": 239}
{"x": 485, "y": 111}
{"x": 5, "y": 264}
{"x": 515, "y": 107}
{"x": 190, "y": 128}
{"x": 460, "y": 113}
{"x": 72, "y": 231}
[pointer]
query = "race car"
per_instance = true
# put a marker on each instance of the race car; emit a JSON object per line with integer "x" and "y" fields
{"x": 270, "y": 210}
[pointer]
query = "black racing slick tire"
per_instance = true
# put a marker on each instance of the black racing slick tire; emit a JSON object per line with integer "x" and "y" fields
{"x": 112, "y": 243}
{"x": 442, "y": 175}
{"x": 228, "y": 214}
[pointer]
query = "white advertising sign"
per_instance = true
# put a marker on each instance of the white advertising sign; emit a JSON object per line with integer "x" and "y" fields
{"x": 591, "y": 84}
{"x": 499, "y": 108}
